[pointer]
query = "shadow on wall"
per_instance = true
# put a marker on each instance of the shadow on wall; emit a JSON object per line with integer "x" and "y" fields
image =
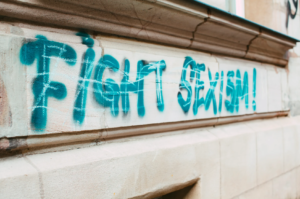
{"x": 185, "y": 193}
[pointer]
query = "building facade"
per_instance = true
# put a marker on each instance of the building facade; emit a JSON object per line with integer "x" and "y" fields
{"x": 149, "y": 99}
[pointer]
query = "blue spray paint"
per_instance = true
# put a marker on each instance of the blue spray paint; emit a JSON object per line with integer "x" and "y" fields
{"x": 87, "y": 67}
{"x": 126, "y": 86}
{"x": 254, "y": 89}
{"x": 210, "y": 96}
{"x": 242, "y": 91}
{"x": 236, "y": 92}
{"x": 44, "y": 50}
{"x": 221, "y": 92}
{"x": 86, "y": 39}
{"x": 184, "y": 84}
{"x": 230, "y": 91}
{"x": 107, "y": 94}
{"x": 199, "y": 86}
{"x": 143, "y": 70}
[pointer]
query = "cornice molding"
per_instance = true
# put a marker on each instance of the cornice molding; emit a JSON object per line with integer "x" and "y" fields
{"x": 171, "y": 22}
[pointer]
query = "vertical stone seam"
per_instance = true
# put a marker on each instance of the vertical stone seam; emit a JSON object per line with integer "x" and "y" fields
{"x": 217, "y": 136}
{"x": 256, "y": 156}
{"x": 101, "y": 46}
{"x": 220, "y": 167}
{"x": 283, "y": 147}
{"x": 103, "y": 132}
{"x": 41, "y": 184}
{"x": 220, "y": 158}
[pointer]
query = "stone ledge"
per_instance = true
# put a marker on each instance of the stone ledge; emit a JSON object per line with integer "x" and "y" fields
{"x": 34, "y": 142}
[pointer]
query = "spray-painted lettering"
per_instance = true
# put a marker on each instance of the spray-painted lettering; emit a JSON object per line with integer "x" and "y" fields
{"x": 87, "y": 66}
{"x": 44, "y": 51}
{"x": 108, "y": 93}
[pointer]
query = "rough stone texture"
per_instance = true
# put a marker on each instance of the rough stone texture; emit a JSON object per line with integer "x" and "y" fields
{"x": 5, "y": 112}
{"x": 19, "y": 179}
{"x": 221, "y": 158}
{"x": 12, "y": 84}
{"x": 238, "y": 158}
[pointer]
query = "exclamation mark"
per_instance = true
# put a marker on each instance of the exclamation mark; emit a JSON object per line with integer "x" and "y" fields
{"x": 221, "y": 92}
{"x": 254, "y": 89}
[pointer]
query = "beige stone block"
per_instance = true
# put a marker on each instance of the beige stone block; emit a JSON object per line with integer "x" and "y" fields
{"x": 298, "y": 181}
{"x": 285, "y": 186}
{"x": 19, "y": 179}
{"x": 142, "y": 167}
{"x": 238, "y": 159}
{"x": 256, "y": 10}
{"x": 263, "y": 124}
{"x": 294, "y": 81}
{"x": 296, "y": 119}
{"x": 284, "y": 89}
{"x": 12, "y": 89}
{"x": 274, "y": 89}
{"x": 263, "y": 191}
{"x": 208, "y": 163}
{"x": 289, "y": 147}
{"x": 249, "y": 194}
{"x": 269, "y": 154}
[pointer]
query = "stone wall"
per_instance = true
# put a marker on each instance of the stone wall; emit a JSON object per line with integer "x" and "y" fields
{"x": 130, "y": 110}
{"x": 78, "y": 83}
{"x": 255, "y": 159}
